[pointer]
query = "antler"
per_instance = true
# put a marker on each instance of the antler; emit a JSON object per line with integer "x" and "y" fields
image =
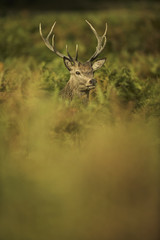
{"x": 100, "y": 45}
{"x": 52, "y": 47}
{"x": 101, "y": 42}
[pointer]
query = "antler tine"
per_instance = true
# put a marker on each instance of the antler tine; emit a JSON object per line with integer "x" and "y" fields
{"x": 76, "y": 58}
{"x": 105, "y": 32}
{"x": 100, "y": 44}
{"x": 47, "y": 43}
{"x": 51, "y": 30}
{"x": 45, "y": 40}
{"x": 69, "y": 54}
{"x": 93, "y": 29}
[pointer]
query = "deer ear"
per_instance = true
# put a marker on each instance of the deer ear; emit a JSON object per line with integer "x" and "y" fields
{"x": 68, "y": 63}
{"x": 98, "y": 64}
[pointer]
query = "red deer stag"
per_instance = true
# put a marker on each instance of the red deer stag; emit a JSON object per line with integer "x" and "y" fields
{"x": 81, "y": 74}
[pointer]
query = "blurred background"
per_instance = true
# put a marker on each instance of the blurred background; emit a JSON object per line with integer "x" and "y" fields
{"x": 67, "y": 5}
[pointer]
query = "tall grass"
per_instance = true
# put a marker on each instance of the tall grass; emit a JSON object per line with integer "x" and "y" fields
{"x": 68, "y": 172}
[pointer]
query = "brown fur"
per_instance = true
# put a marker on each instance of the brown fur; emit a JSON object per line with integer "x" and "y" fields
{"x": 81, "y": 79}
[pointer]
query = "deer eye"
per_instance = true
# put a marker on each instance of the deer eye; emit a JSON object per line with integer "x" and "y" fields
{"x": 78, "y": 73}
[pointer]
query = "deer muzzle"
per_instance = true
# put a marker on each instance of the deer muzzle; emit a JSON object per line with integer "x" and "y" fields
{"x": 91, "y": 84}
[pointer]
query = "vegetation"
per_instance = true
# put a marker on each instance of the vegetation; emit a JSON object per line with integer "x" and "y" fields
{"x": 75, "y": 171}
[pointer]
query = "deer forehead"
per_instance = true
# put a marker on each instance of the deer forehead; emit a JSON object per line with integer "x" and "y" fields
{"x": 85, "y": 68}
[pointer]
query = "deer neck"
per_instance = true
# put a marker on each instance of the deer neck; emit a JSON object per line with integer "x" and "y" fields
{"x": 71, "y": 90}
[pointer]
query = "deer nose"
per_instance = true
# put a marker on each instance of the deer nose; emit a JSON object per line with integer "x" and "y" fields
{"x": 93, "y": 82}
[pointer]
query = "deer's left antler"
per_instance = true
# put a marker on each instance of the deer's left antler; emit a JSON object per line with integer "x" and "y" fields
{"x": 101, "y": 42}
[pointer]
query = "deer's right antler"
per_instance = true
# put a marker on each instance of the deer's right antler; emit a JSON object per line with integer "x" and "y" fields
{"x": 52, "y": 47}
{"x": 101, "y": 42}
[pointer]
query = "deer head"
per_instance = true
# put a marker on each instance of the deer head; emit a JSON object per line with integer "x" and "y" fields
{"x": 81, "y": 74}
